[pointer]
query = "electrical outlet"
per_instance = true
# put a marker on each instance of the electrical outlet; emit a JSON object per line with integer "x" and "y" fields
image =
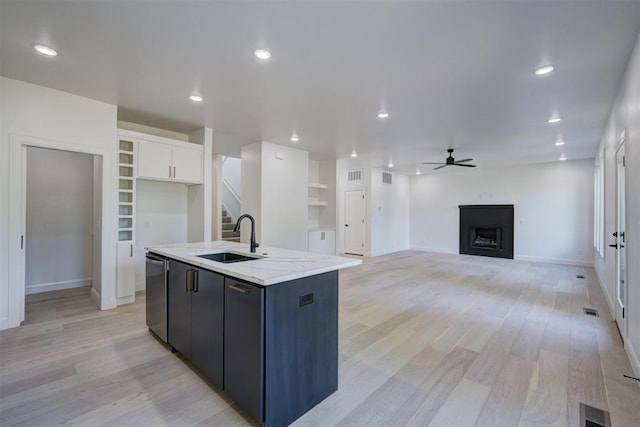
{"x": 306, "y": 299}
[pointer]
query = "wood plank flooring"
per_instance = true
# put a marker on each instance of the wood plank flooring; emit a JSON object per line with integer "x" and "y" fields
{"x": 425, "y": 339}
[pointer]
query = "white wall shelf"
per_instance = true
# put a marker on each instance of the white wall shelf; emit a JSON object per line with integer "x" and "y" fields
{"x": 318, "y": 186}
{"x": 125, "y": 276}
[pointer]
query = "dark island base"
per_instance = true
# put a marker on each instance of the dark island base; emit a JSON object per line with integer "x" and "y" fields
{"x": 273, "y": 349}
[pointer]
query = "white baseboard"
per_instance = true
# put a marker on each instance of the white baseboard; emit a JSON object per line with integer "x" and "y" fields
{"x": 436, "y": 250}
{"x": 57, "y": 286}
{"x": 633, "y": 358}
{"x": 126, "y": 300}
{"x": 561, "y": 261}
{"x": 607, "y": 297}
{"x": 95, "y": 297}
{"x": 389, "y": 251}
{"x": 141, "y": 286}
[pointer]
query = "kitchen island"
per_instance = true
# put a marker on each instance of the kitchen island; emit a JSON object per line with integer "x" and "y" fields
{"x": 261, "y": 326}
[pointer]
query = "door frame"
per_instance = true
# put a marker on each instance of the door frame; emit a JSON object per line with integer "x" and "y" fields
{"x": 364, "y": 228}
{"x": 18, "y": 144}
{"x": 620, "y": 314}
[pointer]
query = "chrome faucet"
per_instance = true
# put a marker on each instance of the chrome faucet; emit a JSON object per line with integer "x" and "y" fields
{"x": 253, "y": 243}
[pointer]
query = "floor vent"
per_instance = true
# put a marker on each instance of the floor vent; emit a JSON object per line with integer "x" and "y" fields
{"x": 590, "y": 312}
{"x": 593, "y": 417}
{"x": 579, "y": 276}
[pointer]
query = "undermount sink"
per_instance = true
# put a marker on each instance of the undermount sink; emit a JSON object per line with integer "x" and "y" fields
{"x": 227, "y": 257}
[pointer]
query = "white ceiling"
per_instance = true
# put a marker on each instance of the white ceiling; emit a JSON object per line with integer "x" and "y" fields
{"x": 450, "y": 73}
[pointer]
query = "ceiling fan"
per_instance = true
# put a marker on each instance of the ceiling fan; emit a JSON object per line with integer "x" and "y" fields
{"x": 450, "y": 161}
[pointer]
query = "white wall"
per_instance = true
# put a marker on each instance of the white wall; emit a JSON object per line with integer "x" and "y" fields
{"x": 389, "y": 213}
{"x": 38, "y": 115}
{"x": 553, "y": 208}
{"x": 161, "y": 219}
{"x": 625, "y": 115}
{"x": 274, "y": 192}
{"x": 59, "y": 220}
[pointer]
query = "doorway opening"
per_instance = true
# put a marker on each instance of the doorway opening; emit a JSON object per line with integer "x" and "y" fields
{"x": 62, "y": 217}
{"x": 102, "y": 288}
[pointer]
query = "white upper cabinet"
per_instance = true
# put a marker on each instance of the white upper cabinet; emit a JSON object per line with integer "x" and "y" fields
{"x": 187, "y": 164}
{"x": 178, "y": 162}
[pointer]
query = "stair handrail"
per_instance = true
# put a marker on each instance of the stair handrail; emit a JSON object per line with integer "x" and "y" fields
{"x": 234, "y": 212}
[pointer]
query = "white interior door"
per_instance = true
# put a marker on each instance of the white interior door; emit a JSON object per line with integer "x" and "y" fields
{"x": 621, "y": 260}
{"x": 354, "y": 222}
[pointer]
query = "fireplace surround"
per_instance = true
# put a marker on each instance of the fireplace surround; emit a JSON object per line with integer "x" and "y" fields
{"x": 486, "y": 230}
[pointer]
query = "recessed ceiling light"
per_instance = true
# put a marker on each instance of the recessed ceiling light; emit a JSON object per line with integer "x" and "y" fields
{"x": 544, "y": 70}
{"x": 563, "y": 157}
{"x": 45, "y": 50}
{"x": 294, "y": 139}
{"x": 262, "y": 54}
{"x": 417, "y": 171}
{"x": 383, "y": 115}
{"x": 554, "y": 119}
{"x": 559, "y": 143}
{"x": 353, "y": 153}
{"x": 195, "y": 98}
{"x": 390, "y": 164}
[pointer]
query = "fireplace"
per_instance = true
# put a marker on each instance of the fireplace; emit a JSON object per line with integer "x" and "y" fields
{"x": 486, "y": 230}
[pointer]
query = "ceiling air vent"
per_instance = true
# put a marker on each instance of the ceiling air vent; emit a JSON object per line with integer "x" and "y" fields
{"x": 387, "y": 177}
{"x": 354, "y": 175}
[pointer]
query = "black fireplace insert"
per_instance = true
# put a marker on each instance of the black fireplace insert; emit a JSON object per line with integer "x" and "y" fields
{"x": 486, "y": 230}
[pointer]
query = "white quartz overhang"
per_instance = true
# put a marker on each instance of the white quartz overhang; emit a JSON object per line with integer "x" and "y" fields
{"x": 275, "y": 265}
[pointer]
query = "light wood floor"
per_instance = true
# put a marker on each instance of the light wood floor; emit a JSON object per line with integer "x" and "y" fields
{"x": 425, "y": 339}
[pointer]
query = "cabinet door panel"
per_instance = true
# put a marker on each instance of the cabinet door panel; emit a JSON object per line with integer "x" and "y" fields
{"x": 243, "y": 345}
{"x": 154, "y": 160}
{"x": 301, "y": 324}
{"x": 188, "y": 164}
{"x": 207, "y": 317}
{"x": 126, "y": 274}
{"x": 179, "y": 334}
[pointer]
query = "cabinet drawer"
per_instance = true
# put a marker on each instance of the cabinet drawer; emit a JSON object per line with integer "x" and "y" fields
{"x": 244, "y": 345}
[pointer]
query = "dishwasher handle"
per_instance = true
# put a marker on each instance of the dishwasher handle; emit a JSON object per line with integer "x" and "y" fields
{"x": 153, "y": 260}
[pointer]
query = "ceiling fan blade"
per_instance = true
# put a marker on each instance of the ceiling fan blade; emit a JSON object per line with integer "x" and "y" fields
{"x": 462, "y": 161}
{"x": 439, "y": 167}
{"x": 430, "y": 163}
{"x": 468, "y": 166}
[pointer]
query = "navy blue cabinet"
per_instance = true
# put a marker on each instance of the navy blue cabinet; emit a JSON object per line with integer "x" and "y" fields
{"x": 244, "y": 345}
{"x": 273, "y": 349}
{"x": 196, "y": 316}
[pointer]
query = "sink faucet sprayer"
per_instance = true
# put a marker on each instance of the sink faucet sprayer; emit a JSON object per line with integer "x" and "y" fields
{"x": 253, "y": 243}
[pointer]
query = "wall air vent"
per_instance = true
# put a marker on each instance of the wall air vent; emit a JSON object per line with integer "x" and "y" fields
{"x": 387, "y": 177}
{"x": 354, "y": 175}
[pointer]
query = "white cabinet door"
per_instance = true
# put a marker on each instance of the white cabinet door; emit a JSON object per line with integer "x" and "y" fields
{"x": 154, "y": 160}
{"x": 322, "y": 242}
{"x": 126, "y": 273}
{"x": 187, "y": 164}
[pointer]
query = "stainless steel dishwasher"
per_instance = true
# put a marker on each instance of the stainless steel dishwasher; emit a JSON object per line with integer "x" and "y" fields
{"x": 156, "y": 294}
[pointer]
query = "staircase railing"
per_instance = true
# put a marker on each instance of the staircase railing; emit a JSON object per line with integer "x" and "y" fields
{"x": 230, "y": 201}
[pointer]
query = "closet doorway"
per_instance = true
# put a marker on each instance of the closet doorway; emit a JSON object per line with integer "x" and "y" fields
{"x": 59, "y": 219}
{"x": 66, "y": 257}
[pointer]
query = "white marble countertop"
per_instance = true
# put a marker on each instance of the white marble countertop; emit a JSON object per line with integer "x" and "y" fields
{"x": 274, "y": 266}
